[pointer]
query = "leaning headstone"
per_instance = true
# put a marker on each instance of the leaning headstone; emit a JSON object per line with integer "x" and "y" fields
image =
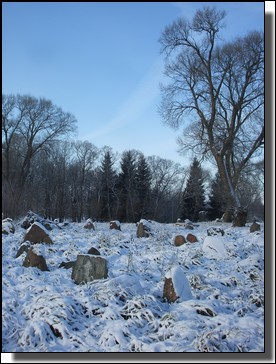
{"x": 88, "y": 268}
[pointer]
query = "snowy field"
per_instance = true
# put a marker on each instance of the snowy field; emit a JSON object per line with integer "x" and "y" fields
{"x": 221, "y": 309}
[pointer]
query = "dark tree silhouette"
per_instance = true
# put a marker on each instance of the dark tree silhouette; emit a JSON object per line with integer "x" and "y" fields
{"x": 193, "y": 196}
{"x": 216, "y": 90}
{"x": 127, "y": 186}
{"x": 107, "y": 195}
{"x": 143, "y": 179}
{"x": 28, "y": 126}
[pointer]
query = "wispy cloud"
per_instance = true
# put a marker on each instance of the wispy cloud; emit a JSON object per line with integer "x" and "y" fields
{"x": 131, "y": 109}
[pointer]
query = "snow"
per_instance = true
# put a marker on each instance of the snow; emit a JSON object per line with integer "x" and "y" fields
{"x": 213, "y": 247}
{"x": 39, "y": 249}
{"x": 221, "y": 305}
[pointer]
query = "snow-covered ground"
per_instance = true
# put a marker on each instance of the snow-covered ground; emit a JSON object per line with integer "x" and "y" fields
{"x": 45, "y": 311}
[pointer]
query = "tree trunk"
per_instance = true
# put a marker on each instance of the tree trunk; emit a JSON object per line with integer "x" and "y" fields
{"x": 234, "y": 211}
{"x": 240, "y": 217}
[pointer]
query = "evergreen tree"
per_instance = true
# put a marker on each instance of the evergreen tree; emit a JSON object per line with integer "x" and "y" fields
{"x": 107, "y": 182}
{"x": 193, "y": 196}
{"x": 143, "y": 179}
{"x": 127, "y": 187}
{"x": 217, "y": 199}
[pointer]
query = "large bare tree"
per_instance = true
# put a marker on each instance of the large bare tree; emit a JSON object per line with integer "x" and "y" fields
{"x": 216, "y": 91}
{"x": 29, "y": 124}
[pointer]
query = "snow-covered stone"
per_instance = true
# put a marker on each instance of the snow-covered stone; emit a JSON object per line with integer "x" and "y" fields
{"x": 143, "y": 229}
{"x": 7, "y": 226}
{"x": 89, "y": 225}
{"x": 31, "y": 217}
{"x": 176, "y": 285}
{"x": 88, "y": 268}
{"x": 34, "y": 260}
{"x": 213, "y": 247}
{"x": 255, "y": 227}
{"x": 24, "y": 247}
{"x": 212, "y": 231}
{"x": 115, "y": 224}
{"x": 129, "y": 283}
{"x": 37, "y": 233}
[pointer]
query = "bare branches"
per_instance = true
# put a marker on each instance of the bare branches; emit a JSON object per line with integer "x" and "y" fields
{"x": 28, "y": 126}
{"x": 217, "y": 88}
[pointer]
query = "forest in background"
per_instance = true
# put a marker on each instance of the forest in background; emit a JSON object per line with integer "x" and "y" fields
{"x": 75, "y": 180}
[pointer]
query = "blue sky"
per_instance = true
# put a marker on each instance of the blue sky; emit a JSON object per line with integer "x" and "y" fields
{"x": 102, "y": 63}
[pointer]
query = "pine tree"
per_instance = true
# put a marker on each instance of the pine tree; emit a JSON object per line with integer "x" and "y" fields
{"x": 126, "y": 187}
{"x": 193, "y": 196}
{"x": 217, "y": 199}
{"x": 143, "y": 178}
{"x": 107, "y": 182}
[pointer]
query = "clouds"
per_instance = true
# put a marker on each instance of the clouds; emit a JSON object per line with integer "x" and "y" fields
{"x": 137, "y": 124}
{"x": 136, "y": 110}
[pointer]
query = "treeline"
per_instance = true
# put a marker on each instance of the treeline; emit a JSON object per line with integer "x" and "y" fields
{"x": 75, "y": 180}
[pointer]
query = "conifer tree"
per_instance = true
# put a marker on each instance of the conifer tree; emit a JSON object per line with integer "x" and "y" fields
{"x": 107, "y": 182}
{"x": 126, "y": 187}
{"x": 143, "y": 179}
{"x": 217, "y": 200}
{"x": 193, "y": 196}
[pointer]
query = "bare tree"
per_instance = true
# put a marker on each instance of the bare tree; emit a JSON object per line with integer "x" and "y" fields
{"x": 59, "y": 158}
{"x": 166, "y": 176}
{"x": 28, "y": 125}
{"x": 216, "y": 90}
{"x": 86, "y": 155}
